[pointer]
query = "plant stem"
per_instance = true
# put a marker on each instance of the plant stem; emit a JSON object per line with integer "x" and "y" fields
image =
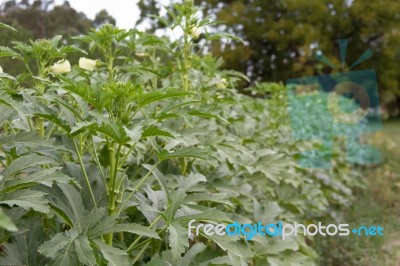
{"x": 141, "y": 167}
{"x": 138, "y": 186}
{"x": 186, "y": 52}
{"x": 140, "y": 253}
{"x": 131, "y": 246}
{"x": 98, "y": 161}
{"x": 110, "y": 65}
{"x": 113, "y": 180}
{"x": 186, "y": 49}
{"x": 110, "y": 189}
{"x": 41, "y": 127}
{"x": 128, "y": 153}
{"x": 84, "y": 172}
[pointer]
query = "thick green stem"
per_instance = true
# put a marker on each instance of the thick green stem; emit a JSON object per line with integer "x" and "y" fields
{"x": 110, "y": 64}
{"x": 110, "y": 188}
{"x": 113, "y": 180}
{"x": 114, "y": 164}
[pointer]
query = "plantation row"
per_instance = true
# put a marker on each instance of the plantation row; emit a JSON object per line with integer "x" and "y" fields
{"x": 106, "y": 160}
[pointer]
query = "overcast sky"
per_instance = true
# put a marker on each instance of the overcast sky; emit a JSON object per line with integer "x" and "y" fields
{"x": 125, "y": 12}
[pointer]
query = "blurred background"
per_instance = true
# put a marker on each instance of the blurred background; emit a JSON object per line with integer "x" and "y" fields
{"x": 281, "y": 41}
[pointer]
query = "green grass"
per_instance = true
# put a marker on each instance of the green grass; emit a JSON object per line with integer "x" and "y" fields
{"x": 378, "y": 204}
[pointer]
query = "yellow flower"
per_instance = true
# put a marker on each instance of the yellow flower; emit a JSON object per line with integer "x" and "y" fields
{"x": 222, "y": 84}
{"x": 62, "y": 66}
{"x": 140, "y": 54}
{"x": 195, "y": 33}
{"x": 87, "y": 64}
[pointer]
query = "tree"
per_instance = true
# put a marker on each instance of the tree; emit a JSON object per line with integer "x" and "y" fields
{"x": 103, "y": 18}
{"x": 282, "y": 37}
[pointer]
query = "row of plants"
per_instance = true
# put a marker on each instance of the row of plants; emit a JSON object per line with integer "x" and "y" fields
{"x": 106, "y": 160}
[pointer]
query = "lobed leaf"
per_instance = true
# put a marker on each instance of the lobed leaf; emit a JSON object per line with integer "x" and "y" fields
{"x": 68, "y": 248}
{"x": 6, "y": 222}
{"x": 26, "y": 199}
{"x": 178, "y": 239}
{"x": 24, "y": 162}
{"x": 198, "y": 153}
{"x": 114, "y": 256}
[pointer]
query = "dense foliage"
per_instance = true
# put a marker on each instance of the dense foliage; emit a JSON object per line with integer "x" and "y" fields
{"x": 105, "y": 162}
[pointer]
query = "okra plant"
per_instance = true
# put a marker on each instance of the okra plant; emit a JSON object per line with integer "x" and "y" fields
{"x": 106, "y": 160}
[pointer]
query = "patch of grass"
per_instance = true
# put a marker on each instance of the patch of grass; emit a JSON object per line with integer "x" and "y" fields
{"x": 378, "y": 204}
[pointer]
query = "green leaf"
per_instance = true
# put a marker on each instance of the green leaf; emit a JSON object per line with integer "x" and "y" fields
{"x": 190, "y": 255}
{"x": 45, "y": 177}
{"x": 94, "y": 96}
{"x": 275, "y": 246}
{"x": 74, "y": 200}
{"x": 31, "y": 140}
{"x": 112, "y": 130}
{"x": 5, "y": 113}
{"x": 68, "y": 248}
{"x": 62, "y": 102}
{"x": 234, "y": 73}
{"x": 21, "y": 108}
{"x": 290, "y": 259}
{"x": 192, "y": 180}
{"x": 62, "y": 214}
{"x": 135, "y": 134}
{"x": 210, "y": 215}
{"x": 6, "y": 222}
{"x": 56, "y": 120}
{"x": 5, "y": 26}
{"x": 177, "y": 198}
{"x": 223, "y": 260}
{"x": 160, "y": 178}
{"x": 185, "y": 153}
{"x": 7, "y": 52}
{"x": 223, "y": 35}
{"x": 114, "y": 256}
{"x": 209, "y": 197}
{"x": 153, "y": 96}
{"x": 22, "y": 249}
{"x": 179, "y": 105}
{"x": 84, "y": 251}
{"x": 207, "y": 115}
{"x": 5, "y": 75}
{"x": 26, "y": 199}
{"x": 231, "y": 245}
{"x": 66, "y": 201}
{"x": 154, "y": 131}
{"x": 24, "y": 162}
{"x": 178, "y": 239}
{"x": 134, "y": 229}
